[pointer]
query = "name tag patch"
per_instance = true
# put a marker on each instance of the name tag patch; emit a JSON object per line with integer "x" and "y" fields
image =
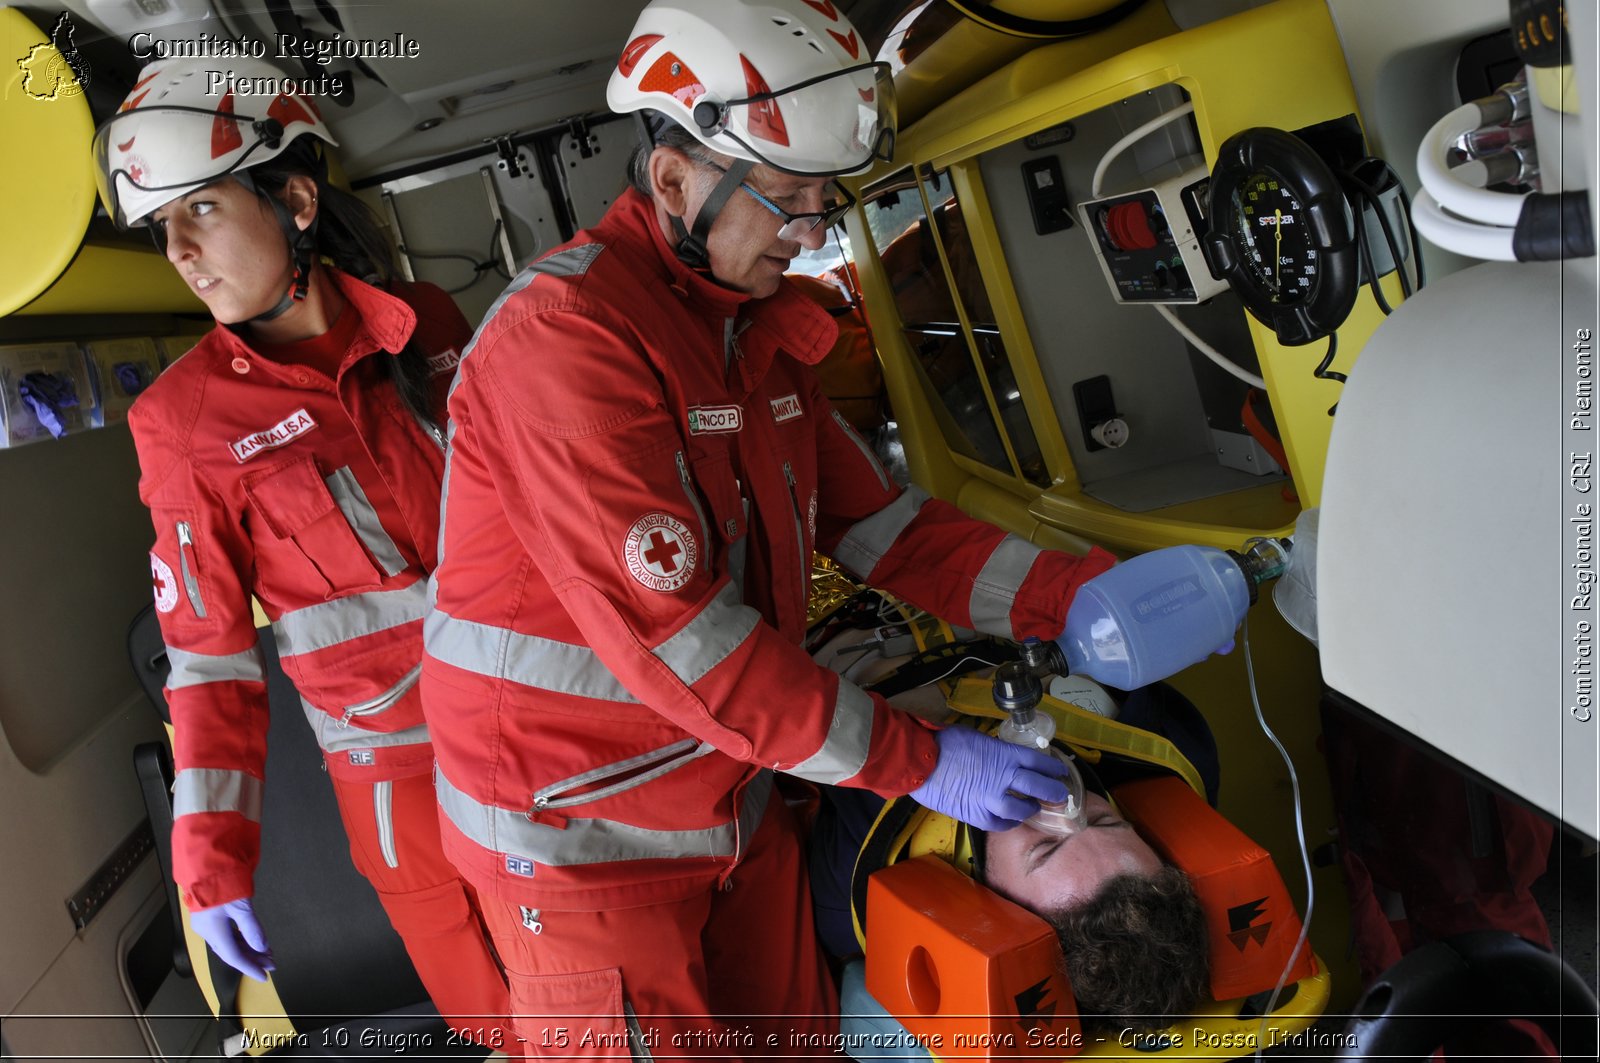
{"x": 707, "y": 420}
{"x": 786, "y": 408}
{"x": 444, "y": 362}
{"x": 281, "y": 434}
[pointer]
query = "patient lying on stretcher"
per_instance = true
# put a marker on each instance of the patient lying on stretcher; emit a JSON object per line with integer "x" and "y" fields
{"x": 1132, "y": 931}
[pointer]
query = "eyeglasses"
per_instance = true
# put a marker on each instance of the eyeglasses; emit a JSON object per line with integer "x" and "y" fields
{"x": 796, "y": 226}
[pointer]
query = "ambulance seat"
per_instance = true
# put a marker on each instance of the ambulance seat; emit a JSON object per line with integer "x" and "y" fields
{"x": 1456, "y": 987}
{"x": 341, "y": 970}
{"x": 959, "y": 966}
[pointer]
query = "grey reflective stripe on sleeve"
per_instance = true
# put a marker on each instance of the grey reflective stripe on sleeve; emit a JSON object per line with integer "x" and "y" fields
{"x": 704, "y": 642}
{"x": 196, "y": 669}
{"x": 596, "y": 841}
{"x": 844, "y": 751}
{"x": 864, "y": 545}
{"x": 533, "y": 661}
{"x": 335, "y": 737}
{"x": 995, "y": 588}
{"x": 567, "y": 668}
{"x": 444, "y": 501}
{"x": 363, "y": 519}
{"x": 216, "y": 790}
{"x": 325, "y": 624}
{"x": 573, "y": 262}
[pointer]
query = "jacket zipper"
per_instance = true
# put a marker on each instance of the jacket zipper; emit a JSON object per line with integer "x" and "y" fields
{"x": 866, "y": 452}
{"x": 656, "y": 763}
{"x": 799, "y": 533}
{"x": 191, "y": 583}
{"x": 699, "y": 513}
{"x": 382, "y": 701}
{"x": 383, "y": 812}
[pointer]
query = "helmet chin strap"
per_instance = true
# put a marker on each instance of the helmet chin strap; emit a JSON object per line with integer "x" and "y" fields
{"x": 302, "y": 254}
{"x": 691, "y": 247}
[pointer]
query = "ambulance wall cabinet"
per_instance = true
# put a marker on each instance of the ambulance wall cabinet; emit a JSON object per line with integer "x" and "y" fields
{"x": 45, "y": 392}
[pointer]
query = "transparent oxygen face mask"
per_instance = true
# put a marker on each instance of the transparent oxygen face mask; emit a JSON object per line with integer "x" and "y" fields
{"x": 1068, "y": 817}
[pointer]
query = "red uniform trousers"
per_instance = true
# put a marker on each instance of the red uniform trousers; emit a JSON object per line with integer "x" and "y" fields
{"x": 728, "y": 973}
{"x": 430, "y": 906}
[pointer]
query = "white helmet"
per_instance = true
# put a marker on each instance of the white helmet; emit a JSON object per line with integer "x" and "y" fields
{"x": 787, "y": 83}
{"x": 181, "y": 128}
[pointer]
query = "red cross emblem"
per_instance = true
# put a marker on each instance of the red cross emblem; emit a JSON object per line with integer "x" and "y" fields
{"x": 660, "y": 552}
{"x": 163, "y": 583}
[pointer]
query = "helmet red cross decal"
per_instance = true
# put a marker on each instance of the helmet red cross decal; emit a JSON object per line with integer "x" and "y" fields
{"x": 660, "y": 552}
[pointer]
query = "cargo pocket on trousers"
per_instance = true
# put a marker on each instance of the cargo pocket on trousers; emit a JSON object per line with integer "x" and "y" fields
{"x": 580, "y": 1015}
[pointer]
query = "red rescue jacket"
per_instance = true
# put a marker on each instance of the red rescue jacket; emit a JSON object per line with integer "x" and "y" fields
{"x": 641, "y": 464}
{"x": 321, "y": 499}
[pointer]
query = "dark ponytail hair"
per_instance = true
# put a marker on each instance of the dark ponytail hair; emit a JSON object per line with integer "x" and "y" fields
{"x": 350, "y": 236}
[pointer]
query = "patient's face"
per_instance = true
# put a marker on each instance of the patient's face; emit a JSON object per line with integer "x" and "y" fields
{"x": 1049, "y": 873}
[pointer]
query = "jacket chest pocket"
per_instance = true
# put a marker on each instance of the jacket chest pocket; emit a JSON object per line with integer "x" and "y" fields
{"x": 318, "y": 530}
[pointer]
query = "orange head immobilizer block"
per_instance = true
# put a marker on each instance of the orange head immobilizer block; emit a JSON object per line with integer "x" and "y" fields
{"x": 1250, "y": 919}
{"x": 966, "y": 971}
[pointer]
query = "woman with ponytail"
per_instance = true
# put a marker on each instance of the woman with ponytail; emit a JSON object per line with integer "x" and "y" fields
{"x": 294, "y": 456}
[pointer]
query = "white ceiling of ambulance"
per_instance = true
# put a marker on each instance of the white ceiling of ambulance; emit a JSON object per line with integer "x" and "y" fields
{"x": 482, "y": 68}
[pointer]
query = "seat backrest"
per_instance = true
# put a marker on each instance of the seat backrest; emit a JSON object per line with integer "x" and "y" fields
{"x": 337, "y": 956}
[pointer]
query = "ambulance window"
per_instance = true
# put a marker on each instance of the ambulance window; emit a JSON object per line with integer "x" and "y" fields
{"x": 951, "y": 344}
{"x": 898, "y": 220}
{"x": 957, "y": 241}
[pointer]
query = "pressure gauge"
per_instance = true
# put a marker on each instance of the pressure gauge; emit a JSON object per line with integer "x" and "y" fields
{"x": 1282, "y": 234}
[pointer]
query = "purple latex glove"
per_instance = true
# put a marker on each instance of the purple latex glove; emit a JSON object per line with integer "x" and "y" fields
{"x": 992, "y": 785}
{"x": 47, "y": 395}
{"x": 235, "y": 935}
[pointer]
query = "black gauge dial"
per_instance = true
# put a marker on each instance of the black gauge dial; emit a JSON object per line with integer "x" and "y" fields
{"x": 1282, "y": 235}
{"x": 1272, "y": 229}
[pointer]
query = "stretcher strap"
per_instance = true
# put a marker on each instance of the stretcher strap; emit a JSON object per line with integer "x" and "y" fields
{"x": 1083, "y": 729}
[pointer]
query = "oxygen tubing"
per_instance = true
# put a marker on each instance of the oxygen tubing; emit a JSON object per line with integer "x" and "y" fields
{"x": 1300, "y": 833}
{"x": 1131, "y": 138}
{"x": 1223, "y": 361}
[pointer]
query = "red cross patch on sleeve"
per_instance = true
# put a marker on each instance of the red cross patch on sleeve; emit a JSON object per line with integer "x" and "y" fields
{"x": 660, "y": 552}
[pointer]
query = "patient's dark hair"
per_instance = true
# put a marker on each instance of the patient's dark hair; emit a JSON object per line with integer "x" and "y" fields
{"x": 1136, "y": 953}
